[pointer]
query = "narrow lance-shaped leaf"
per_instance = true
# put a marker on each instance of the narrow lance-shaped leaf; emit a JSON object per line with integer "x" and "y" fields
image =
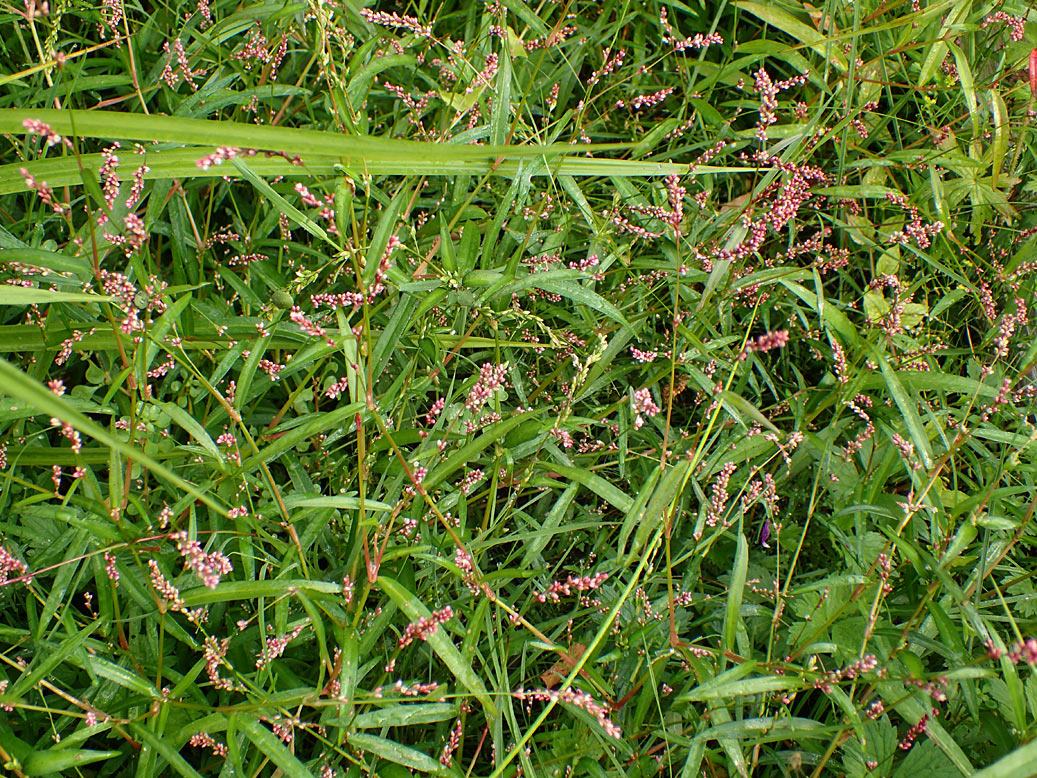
{"x": 440, "y": 643}
{"x": 34, "y": 394}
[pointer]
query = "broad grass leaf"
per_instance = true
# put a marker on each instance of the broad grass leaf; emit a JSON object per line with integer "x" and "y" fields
{"x": 51, "y": 260}
{"x": 163, "y": 749}
{"x": 123, "y": 677}
{"x": 269, "y": 744}
{"x": 440, "y": 642}
{"x": 22, "y": 295}
{"x": 594, "y": 483}
{"x": 563, "y": 283}
{"x": 804, "y": 33}
{"x": 926, "y": 759}
{"x": 936, "y": 52}
{"x": 340, "y": 501}
{"x": 282, "y": 204}
{"x": 637, "y": 512}
{"x": 907, "y": 408}
{"x": 671, "y": 486}
{"x": 57, "y": 760}
{"x": 835, "y": 318}
{"x": 228, "y": 591}
{"x": 912, "y": 709}
{"x": 768, "y": 729}
{"x": 400, "y": 754}
{"x": 469, "y": 451}
{"x": 37, "y": 396}
{"x": 741, "y": 688}
{"x": 735, "y": 589}
{"x": 46, "y": 661}
{"x": 190, "y": 425}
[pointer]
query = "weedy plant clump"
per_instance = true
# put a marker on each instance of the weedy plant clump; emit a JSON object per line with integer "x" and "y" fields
{"x": 495, "y": 389}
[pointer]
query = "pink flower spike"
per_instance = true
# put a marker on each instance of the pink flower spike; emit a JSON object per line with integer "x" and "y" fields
{"x": 209, "y": 567}
{"x": 425, "y": 627}
{"x": 10, "y": 564}
{"x": 580, "y": 699}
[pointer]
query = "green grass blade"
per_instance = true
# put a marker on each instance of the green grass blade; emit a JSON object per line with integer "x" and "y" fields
{"x": 37, "y": 396}
{"x": 440, "y": 643}
{"x": 268, "y": 743}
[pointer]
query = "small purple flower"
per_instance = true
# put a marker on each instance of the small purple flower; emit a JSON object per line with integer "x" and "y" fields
{"x": 765, "y": 533}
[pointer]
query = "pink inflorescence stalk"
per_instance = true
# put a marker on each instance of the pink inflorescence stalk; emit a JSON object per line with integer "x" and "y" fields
{"x": 579, "y": 583}
{"x": 578, "y": 698}
{"x": 208, "y": 567}
{"x": 425, "y": 627}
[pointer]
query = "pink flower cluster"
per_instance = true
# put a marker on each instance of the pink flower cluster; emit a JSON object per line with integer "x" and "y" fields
{"x": 491, "y": 378}
{"x": 111, "y": 17}
{"x": 171, "y": 594}
{"x": 766, "y": 342}
{"x": 110, "y": 569}
{"x": 242, "y": 260}
{"x": 472, "y": 477}
{"x": 1024, "y": 651}
{"x": 276, "y": 646}
{"x": 857, "y": 405}
{"x": 341, "y": 300}
{"x": 10, "y": 564}
{"x": 183, "y": 70}
{"x": 580, "y": 699}
{"x": 921, "y": 232}
{"x": 646, "y": 101}
{"x": 378, "y": 285}
{"x": 407, "y": 690}
{"x": 205, "y": 740}
{"x": 582, "y": 583}
{"x": 1007, "y": 328}
{"x": 914, "y": 732}
{"x": 44, "y": 192}
{"x": 643, "y": 404}
{"x": 768, "y": 91}
{"x": 311, "y": 328}
{"x": 865, "y": 664}
{"x": 466, "y": 565}
{"x": 215, "y": 651}
{"x": 385, "y": 19}
{"x": 447, "y": 757}
{"x": 1016, "y": 25}
{"x": 643, "y": 356}
{"x": 222, "y": 154}
{"x": 425, "y": 627}
{"x": 51, "y": 138}
{"x": 338, "y": 388}
{"x": 485, "y": 76}
{"x": 109, "y": 173}
{"x": 718, "y": 502}
{"x": 675, "y": 195}
{"x": 434, "y": 411}
{"x": 69, "y": 432}
{"x": 208, "y": 567}
{"x": 609, "y": 65}
{"x": 255, "y": 50}
{"x": 698, "y": 41}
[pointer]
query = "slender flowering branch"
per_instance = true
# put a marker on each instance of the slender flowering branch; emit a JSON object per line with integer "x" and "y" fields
{"x": 578, "y": 698}
{"x": 425, "y": 627}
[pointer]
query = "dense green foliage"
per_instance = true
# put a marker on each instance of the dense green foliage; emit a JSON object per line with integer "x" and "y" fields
{"x": 562, "y": 389}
